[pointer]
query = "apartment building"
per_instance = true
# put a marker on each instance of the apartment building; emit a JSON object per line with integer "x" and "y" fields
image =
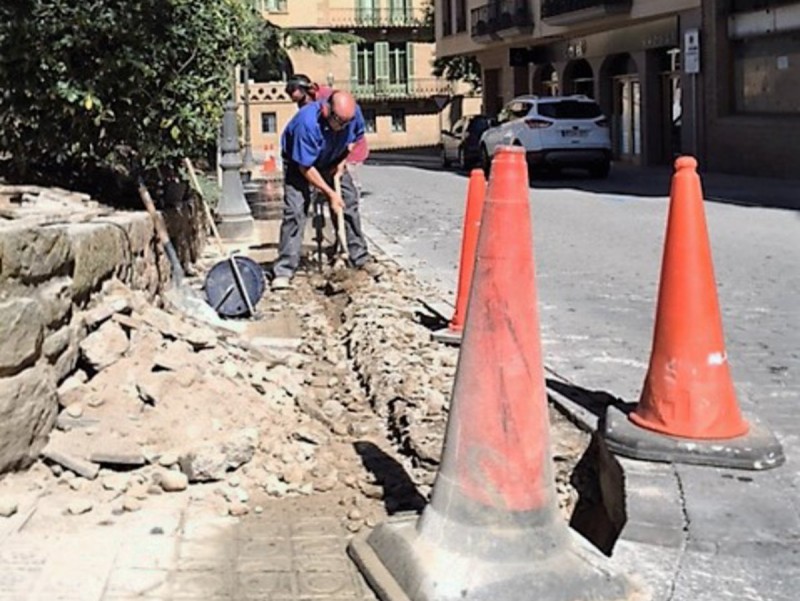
{"x": 389, "y": 73}
{"x": 719, "y": 79}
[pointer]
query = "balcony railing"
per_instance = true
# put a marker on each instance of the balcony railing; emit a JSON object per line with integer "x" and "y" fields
{"x": 417, "y": 87}
{"x": 379, "y": 16}
{"x": 565, "y": 12}
{"x": 500, "y": 15}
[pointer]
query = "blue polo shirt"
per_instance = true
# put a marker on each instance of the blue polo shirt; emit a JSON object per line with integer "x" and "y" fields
{"x": 308, "y": 140}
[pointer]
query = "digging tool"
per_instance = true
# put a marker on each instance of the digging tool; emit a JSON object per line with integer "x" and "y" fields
{"x": 319, "y": 226}
{"x": 341, "y": 235}
{"x": 181, "y": 296}
{"x": 245, "y": 286}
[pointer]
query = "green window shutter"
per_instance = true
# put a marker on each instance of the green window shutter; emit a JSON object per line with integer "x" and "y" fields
{"x": 382, "y": 65}
{"x": 353, "y": 65}
{"x": 410, "y": 60}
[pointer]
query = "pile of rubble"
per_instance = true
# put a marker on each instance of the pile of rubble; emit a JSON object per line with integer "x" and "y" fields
{"x": 409, "y": 379}
{"x": 355, "y": 411}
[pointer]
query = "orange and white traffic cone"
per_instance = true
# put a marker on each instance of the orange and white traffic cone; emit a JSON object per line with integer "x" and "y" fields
{"x": 476, "y": 193}
{"x": 492, "y": 529}
{"x": 270, "y": 164}
{"x": 688, "y": 411}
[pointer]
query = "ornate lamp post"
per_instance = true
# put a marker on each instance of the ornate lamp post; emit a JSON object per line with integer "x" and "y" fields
{"x": 236, "y": 220}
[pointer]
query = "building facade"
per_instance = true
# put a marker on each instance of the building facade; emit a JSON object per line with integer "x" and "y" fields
{"x": 673, "y": 76}
{"x": 389, "y": 73}
{"x": 751, "y": 120}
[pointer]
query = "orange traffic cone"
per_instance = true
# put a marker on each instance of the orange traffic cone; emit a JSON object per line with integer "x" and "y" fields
{"x": 476, "y": 192}
{"x": 492, "y": 529}
{"x": 270, "y": 165}
{"x": 688, "y": 410}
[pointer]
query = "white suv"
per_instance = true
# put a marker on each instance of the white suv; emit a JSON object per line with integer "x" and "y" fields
{"x": 556, "y": 131}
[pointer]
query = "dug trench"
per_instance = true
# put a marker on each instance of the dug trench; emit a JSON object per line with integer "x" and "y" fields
{"x": 332, "y": 405}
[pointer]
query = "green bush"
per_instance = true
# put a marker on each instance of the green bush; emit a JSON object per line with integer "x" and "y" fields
{"x": 87, "y": 84}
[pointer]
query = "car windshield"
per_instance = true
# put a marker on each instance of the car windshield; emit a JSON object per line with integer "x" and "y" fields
{"x": 478, "y": 125}
{"x": 570, "y": 109}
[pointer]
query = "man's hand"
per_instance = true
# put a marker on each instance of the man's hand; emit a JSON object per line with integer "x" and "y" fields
{"x": 337, "y": 203}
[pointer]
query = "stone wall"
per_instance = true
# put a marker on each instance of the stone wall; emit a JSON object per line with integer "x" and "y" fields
{"x": 48, "y": 276}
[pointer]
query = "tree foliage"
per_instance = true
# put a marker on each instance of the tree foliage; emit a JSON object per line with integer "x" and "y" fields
{"x": 85, "y": 84}
{"x": 459, "y": 68}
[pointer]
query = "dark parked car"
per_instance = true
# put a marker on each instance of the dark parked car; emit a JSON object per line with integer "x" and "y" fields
{"x": 461, "y": 144}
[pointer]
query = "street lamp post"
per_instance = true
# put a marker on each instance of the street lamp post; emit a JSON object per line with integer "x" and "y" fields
{"x": 236, "y": 220}
{"x": 247, "y": 160}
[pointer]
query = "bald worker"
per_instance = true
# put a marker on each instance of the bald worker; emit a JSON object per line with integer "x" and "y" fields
{"x": 315, "y": 146}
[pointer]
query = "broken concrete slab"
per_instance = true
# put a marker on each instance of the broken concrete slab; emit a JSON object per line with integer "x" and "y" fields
{"x": 105, "y": 346}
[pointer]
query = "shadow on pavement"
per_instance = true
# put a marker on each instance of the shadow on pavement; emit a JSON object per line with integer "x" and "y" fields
{"x": 627, "y": 180}
{"x": 399, "y": 491}
{"x": 594, "y": 401}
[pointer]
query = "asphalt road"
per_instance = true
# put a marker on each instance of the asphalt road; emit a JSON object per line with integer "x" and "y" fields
{"x": 598, "y": 250}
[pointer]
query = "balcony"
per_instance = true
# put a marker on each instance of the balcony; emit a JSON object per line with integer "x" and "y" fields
{"x": 380, "y": 17}
{"x": 512, "y": 16}
{"x": 567, "y": 12}
{"x": 418, "y": 87}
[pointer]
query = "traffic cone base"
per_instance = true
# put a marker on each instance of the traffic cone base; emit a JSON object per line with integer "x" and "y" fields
{"x": 756, "y": 450}
{"x": 492, "y": 530}
{"x": 448, "y": 335}
{"x": 688, "y": 411}
{"x": 402, "y": 564}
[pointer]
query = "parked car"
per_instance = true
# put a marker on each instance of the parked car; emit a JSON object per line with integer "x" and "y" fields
{"x": 461, "y": 143}
{"x": 556, "y": 131}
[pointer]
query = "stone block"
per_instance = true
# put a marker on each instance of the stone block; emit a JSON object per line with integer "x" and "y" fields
{"x": 56, "y": 343}
{"x": 67, "y": 361}
{"x": 55, "y": 298}
{"x": 28, "y": 408}
{"x": 21, "y": 334}
{"x": 34, "y": 254}
{"x": 98, "y": 250}
{"x": 138, "y": 228}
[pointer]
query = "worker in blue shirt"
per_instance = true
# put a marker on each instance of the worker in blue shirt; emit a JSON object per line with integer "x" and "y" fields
{"x": 315, "y": 144}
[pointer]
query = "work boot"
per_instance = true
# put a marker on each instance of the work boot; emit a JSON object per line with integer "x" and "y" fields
{"x": 281, "y": 282}
{"x": 372, "y": 268}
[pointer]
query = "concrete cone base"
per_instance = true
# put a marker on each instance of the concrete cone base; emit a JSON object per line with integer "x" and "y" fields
{"x": 400, "y": 565}
{"x": 756, "y": 450}
{"x": 447, "y": 336}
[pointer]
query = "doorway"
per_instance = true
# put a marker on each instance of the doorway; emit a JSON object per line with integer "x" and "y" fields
{"x": 627, "y": 119}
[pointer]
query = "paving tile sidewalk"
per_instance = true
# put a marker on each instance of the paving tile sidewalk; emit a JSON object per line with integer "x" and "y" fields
{"x": 185, "y": 552}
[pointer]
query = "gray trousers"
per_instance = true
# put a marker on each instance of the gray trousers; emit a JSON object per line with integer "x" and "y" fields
{"x": 297, "y": 198}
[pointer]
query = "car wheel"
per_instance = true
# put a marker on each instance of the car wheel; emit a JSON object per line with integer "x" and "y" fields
{"x": 445, "y": 160}
{"x": 600, "y": 171}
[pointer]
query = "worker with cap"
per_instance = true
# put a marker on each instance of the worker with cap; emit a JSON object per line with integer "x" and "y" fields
{"x": 316, "y": 143}
{"x": 303, "y": 91}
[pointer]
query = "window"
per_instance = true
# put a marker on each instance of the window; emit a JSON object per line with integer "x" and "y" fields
{"x": 364, "y": 73}
{"x": 381, "y": 64}
{"x": 367, "y": 13}
{"x": 370, "y": 121}
{"x": 269, "y": 123}
{"x": 461, "y": 15}
{"x": 766, "y": 74}
{"x": 271, "y": 6}
{"x": 570, "y": 109}
{"x": 447, "y": 18}
{"x": 399, "y": 120}
{"x": 398, "y": 63}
